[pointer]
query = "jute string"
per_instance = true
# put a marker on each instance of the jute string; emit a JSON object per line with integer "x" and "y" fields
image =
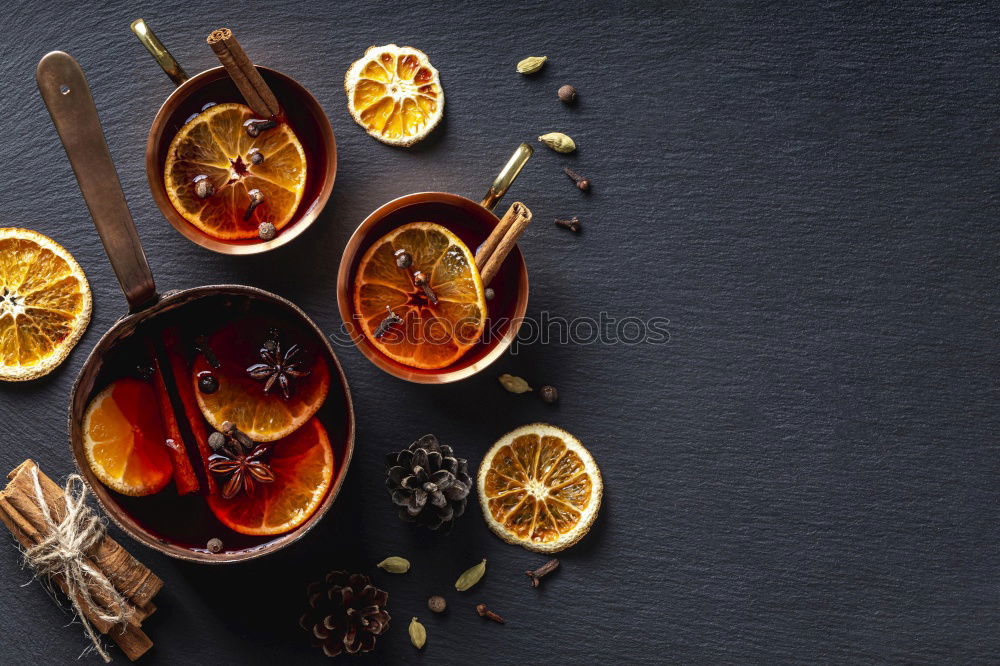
{"x": 63, "y": 551}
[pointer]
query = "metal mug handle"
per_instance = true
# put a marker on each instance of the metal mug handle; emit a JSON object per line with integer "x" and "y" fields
{"x": 170, "y": 66}
{"x": 506, "y": 176}
{"x": 67, "y": 96}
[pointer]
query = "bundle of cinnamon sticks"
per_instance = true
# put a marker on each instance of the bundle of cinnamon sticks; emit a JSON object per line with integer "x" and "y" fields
{"x": 134, "y": 582}
{"x": 501, "y": 241}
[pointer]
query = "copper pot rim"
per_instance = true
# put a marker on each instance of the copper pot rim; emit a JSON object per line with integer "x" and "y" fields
{"x": 169, "y": 301}
{"x": 345, "y": 302}
{"x": 185, "y": 228}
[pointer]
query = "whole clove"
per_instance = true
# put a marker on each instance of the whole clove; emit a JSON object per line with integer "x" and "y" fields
{"x": 573, "y": 224}
{"x": 255, "y": 127}
{"x": 581, "y": 182}
{"x": 483, "y": 611}
{"x": 420, "y": 280}
{"x": 256, "y": 199}
{"x": 391, "y": 319}
{"x": 541, "y": 571}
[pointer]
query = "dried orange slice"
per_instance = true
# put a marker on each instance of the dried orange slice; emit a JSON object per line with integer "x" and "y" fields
{"x": 303, "y": 469}
{"x": 540, "y": 488}
{"x": 263, "y": 417}
{"x": 123, "y": 439}
{"x": 429, "y": 335}
{"x": 44, "y": 304}
{"x": 214, "y": 146}
{"x": 395, "y": 94}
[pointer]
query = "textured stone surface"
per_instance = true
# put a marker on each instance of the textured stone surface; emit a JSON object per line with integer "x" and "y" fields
{"x": 806, "y": 472}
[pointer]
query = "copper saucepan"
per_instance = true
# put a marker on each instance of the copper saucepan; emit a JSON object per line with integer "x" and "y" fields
{"x": 66, "y": 94}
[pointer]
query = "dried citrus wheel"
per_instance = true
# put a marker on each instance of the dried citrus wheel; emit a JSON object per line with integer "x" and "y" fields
{"x": 395, "y": 94}
{"x": 241, "y": 398}
{"x": 123, "y": 439}
{"x": 214, "y": 147}
{"x": 303, "y": 469}
{"x": 540, "y": 488}
{"x": 44, "y": 304}
{"x": 429, "y": 335}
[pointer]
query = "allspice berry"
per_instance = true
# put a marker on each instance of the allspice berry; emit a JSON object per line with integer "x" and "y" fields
{"x": 567, "y": 94}
{"x": 548, "y": 394}
{"x": 266, "y": 231}
{"x": 437, "y": 604}
{"x": 490, "y": 294}
{"x": 214, "y": 545}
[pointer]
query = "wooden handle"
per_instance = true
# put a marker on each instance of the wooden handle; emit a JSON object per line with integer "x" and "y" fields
{"x": 67, "y": 96}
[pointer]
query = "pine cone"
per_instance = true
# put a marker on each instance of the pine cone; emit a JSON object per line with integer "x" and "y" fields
{"x": 345, "y": 614}
{"x": 428, "y": 483}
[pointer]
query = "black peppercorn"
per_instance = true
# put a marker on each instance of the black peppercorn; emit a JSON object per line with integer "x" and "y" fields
{"x": 403, "y": 258}
{"x": 437, "y": 604}
{"x": 208, "y": 383}
{"x": 203, "y": 188}
{"x": 548, "y": 394}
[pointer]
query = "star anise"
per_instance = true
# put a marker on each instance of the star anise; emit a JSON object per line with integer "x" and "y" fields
{"x": 278, "y": 367}
{"x": 239, "y": 459}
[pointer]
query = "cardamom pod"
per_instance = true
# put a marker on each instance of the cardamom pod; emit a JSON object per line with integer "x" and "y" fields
{"x": 471, "y": 576}
{"x": 558, "y": 142}
{"x": 513, "y": 383}
{"x": 418, "y": 634}
{"x": 531, "y": 65}
{"x": 395, "y": 565}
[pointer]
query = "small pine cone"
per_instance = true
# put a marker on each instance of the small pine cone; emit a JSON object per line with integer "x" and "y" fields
{"x": 428, "y": 483}
{"x": 346, "y": 613}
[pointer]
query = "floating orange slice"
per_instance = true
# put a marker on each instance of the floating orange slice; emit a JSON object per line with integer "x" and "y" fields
{"x": 44, "y": 304}
{"x": 429, "y": 335}
{"x": 263, "y": 417}
{"x": 123, "y": 439}
{"x": 539, "y": 488}
{"x": 303, "y": 468}
{"x": 395, "y": 94}
{"x": 214, "y": 146}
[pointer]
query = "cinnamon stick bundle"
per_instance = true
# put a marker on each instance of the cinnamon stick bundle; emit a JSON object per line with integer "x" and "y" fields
{"x": 136, "y": 584}
{"x": 501, "y": 241}
{"x": 251, "y": 84}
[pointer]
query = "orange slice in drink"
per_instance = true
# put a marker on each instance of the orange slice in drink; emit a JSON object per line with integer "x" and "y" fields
{"x": 395, "y": 94}
{"x": 303, "y": 467}
{"x": 429, "y": 335}
{"x": 44, "y": 304}
{"x": 123, "y": 439}
{"x": 539, "y": 488}
{"x": 215, "y": 147}
{"x": 263, "y": 417}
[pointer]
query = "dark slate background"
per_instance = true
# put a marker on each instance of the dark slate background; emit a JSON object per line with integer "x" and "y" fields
{"x": 807, "y": 471}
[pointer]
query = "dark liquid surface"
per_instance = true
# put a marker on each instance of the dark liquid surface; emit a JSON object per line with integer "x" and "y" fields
{"x": 187, "y": 520}
{"x": 296, "y": 113}
{"x": 473, "y": 226}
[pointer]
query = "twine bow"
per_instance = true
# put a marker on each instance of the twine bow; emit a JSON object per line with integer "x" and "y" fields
{"x": 63, "y": 552}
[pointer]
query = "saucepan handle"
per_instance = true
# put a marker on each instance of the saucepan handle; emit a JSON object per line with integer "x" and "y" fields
{"x": 167, "y": 62}
{"x": 67, "y": 96}
{"x": 506, "y": 176}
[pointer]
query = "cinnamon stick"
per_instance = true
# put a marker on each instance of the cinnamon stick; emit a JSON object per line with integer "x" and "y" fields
{"x": 185, "y": 480}
{"x": 131, "y": 578}
{"x": 251, "y": 84}
{"x": 130, "y": 638}
{"x": 502, "y": 240}
{"x": 181, "y": 372}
